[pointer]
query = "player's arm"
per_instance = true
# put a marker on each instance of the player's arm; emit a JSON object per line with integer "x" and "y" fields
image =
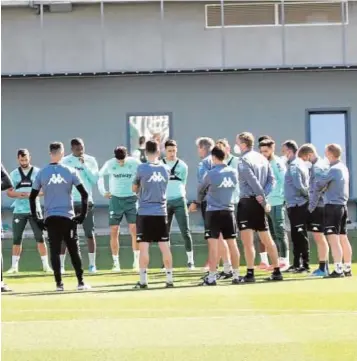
{"x": 5, "y": 179}
{"x": 184, "y": 173}
{"x": 136, "y": 182}
{"x": 297, "y": 181}
{"x": 84, "y": 198}
{"x": 202, "y": 188}
{"x": 320, "y": 186}
{"x": 101, "y": 185}
{"x": 35, "y": 191}
{"x": 91, "y": 170}
{"x": 270, "y": 183}
{"x": 246, "y": 172}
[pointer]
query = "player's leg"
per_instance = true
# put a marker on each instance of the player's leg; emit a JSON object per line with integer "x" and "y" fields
{"x": 228, "y": 226}
{"x": 72, "y": 241}
{"x": 55, "y": 231}
{"x": 224, "y": 255}
{"x": 212, "y": 234}
{"x": 182, "y": 217}
{"x": 130, "y": 211}
{"x": 281, "y": 237}
{"x": 41, "y": 244}
{"x": 144, "y": 257}
{"x": 295, "y": 229}
{"x": 116, "y": 213}
{"x": 19, "y": 222}
{"x": 333, "y": 218}
{"x": 316, "y": 226}
{"x": 264, "y": 260}
{"x": 89, "y": 233}
{"x": 63, "y": 257}
{"x": 203, "y": 213}
{"x": 346, "y": 245}
{"x": 159, "y": 232}
{"x": 247, "y": 236}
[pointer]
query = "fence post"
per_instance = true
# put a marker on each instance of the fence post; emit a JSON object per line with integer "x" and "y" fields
{"x": 162, "y": 19}
{"x": 43, "y": 42}
{"x": 223, "y": 39}
{"x": 102, "y": 35}
{"x": 344, "y": 6}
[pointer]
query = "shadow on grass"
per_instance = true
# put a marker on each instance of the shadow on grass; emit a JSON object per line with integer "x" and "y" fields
{"x": 153, "y": 286}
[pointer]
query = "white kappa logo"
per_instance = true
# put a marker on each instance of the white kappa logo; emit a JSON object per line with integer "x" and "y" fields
{"x": 227, "y": 183}
{"x": 56, "y": 179}
{"x": 156, "y": 177}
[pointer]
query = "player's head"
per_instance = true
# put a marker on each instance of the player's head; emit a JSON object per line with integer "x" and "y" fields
{"x": 245, "y": 141}
{"x": 156, "y": 137}
{"x": 264, "y": 137}
{"x": 307, "y": 152}
{"x": 224, "y": 145}
{"x": 218, "y": 155}
{"x": 56, "y": 151}
{"x": 152, "y": 149}
{"x": 289, "y": 149}
{"x": 333, "y": 152}
{"x": 120, "y": 153}
{"x": 171, "y": 149}
{"x": 267, "y": 148}
{"x": 24, "y": 158}
{"x": 204, "y": 146}
{"x": 142, "y": 141}
{"x": 77, "y": 147}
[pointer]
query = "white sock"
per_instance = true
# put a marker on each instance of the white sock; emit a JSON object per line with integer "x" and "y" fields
{"x": 190, "y": 257}
{"x": 63, "y": 259}
{"x": 2, "y": 284}
{"x": 91, "y": 258}
{"x": 227, "y": 267}
{"x": 348, "y": 266}
{"x": 136, "y": 255}
{"x": 44, "y": 260}
{"x": 169, "y": 275}
{"x": 264, "y": 257}
{"x": 143, "y": 276}
{"x": 115, "y": 259}
{"x": 15, "y": 261}
{"x": 236, "y": 274}
{"x": 212, "y": 277}
{"x": 338, "y": 267}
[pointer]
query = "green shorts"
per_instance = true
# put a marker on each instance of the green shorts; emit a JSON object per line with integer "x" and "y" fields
{"x": 118, "y": 207}
{"x": 19, "y": 222}
{"x": 88, "y": 223}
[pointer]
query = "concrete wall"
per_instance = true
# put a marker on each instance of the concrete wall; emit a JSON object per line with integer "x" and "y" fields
{"x": 132, "y": 40}
{"x": 37, "y": 111}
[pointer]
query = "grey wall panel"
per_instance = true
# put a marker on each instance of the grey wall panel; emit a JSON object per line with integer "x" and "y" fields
{"x": 187, "y": 43}
{"x": 20, "y": 41}
{"x": 35, "y": 112}
{"x": 73, "y": 40}
{"x": 133, "y": 41}
{"x": 253, "y": 47}
{"x": 132, "y": 36}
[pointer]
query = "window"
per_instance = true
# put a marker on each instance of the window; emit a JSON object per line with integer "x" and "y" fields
{"x": 329, "y": 127}
{"x": 271, "y": 14}
{"x": 149, "y": 125}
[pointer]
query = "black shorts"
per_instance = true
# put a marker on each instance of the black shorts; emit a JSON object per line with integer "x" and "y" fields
{"x": 220, "y": 222}
{"x": 251, "y": 215}
{"x": 298, "y": 217}
{"x": 335, "y": 219}
{"x": 315, "y": 220}
{"x": 152, "y": 229}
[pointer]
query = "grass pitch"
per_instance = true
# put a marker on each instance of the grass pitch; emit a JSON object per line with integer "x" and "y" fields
{"x": 300, "y": 319}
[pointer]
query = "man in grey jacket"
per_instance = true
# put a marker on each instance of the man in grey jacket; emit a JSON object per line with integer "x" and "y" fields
{"x": 335, "y": 185}
{"x": 255, "y": 183}
{"x": 296, "y": 191}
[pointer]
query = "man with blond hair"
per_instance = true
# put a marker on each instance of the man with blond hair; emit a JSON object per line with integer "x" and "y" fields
{"x": 335, "y": 185}
{"x": 255, "y": 183}
{"x": 315, "y": 220}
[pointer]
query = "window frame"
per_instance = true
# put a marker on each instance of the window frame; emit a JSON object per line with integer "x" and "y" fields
{"x": 148, "y": 114}
{"x": 277, "y": 14}
{"x": 348, "y": 140}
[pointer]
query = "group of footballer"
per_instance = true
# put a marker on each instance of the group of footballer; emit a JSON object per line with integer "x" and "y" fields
{"x": 249, "y": 191}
